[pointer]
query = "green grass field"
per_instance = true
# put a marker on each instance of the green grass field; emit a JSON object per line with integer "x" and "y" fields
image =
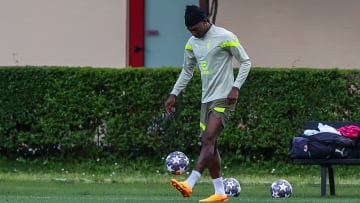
{"x": 60, "y": 183}
{"x": 64, "y": 191}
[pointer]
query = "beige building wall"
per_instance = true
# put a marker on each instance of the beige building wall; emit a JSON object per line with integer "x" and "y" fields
{"x": 275, "y": 33}
{"x": 296, "y": 33}
{"x": 63, "y": 32}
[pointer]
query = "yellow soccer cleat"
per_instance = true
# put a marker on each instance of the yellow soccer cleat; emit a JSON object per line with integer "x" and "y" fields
{"x": 215, "y": 198}
{"x": 182, "y": 187}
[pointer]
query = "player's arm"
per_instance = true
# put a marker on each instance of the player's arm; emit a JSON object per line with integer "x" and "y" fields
{"x": 185, "y": 75}
{"x": 241, "y": 56}
{"x": 186, "y": 72}
{"x": 245, "y": 64}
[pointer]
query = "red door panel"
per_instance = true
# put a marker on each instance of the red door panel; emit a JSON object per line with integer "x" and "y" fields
{"x": 136, "y": 33}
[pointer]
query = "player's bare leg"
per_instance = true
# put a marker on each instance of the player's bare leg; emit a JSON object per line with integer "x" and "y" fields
{"x": 210, "y": 158}
{"x": 208, "y": 144}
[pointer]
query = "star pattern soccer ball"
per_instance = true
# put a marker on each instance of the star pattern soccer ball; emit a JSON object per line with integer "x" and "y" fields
{"x": 177, "y": 163}
{"x": 232, "y": 187}
{"x": 281, "y": 188}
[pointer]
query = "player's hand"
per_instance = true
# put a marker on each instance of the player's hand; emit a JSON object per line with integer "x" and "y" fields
{"x": 233, "y": 96}
{"x": 169, "y": 103}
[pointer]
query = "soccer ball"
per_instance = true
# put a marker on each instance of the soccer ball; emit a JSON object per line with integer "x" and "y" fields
{"x": 232, "y": 187}
{"x": 281, "y": 188}
{"x": 177, "y": 163}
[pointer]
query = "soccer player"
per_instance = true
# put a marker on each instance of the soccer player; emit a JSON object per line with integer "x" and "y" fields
{"x": 211, "y": 49}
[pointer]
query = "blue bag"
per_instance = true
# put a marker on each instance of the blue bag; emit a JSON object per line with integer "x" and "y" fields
{"x": 323, "y": 145}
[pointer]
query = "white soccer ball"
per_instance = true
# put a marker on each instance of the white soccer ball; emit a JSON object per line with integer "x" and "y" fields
{"x": 281, "y": 188}
{"x": 232, "y": 187}
{"x": 177, "y": 163}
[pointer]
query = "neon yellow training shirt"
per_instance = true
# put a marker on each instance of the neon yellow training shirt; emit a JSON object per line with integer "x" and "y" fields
{"x": 213, "y": 55}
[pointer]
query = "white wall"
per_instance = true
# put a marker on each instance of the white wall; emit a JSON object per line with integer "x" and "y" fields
{"x": 296, "y": 33}
{"x": 63, "y": 32}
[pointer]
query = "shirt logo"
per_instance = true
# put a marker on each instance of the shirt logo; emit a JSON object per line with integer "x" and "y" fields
{"x": 204, "y": 68}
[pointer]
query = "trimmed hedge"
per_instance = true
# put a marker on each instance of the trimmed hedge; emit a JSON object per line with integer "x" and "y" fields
{"x": 83, "y": 113}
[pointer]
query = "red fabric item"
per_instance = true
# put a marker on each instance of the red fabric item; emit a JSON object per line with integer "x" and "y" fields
{"x": 350, "y": 131}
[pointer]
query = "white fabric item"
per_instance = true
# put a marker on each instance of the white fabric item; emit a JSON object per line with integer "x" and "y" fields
{"x": 310, "y": 132}
{"x": 327, "y": 128}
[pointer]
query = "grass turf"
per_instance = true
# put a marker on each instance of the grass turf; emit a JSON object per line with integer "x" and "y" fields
{"x": 61, "y": 191}
{"x": 20, "y": 183}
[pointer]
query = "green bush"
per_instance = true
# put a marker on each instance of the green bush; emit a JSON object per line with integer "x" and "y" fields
{"x": 84, "y": 113}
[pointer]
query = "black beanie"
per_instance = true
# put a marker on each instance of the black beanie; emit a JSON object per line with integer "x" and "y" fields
{"x": 193, "y": 15}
